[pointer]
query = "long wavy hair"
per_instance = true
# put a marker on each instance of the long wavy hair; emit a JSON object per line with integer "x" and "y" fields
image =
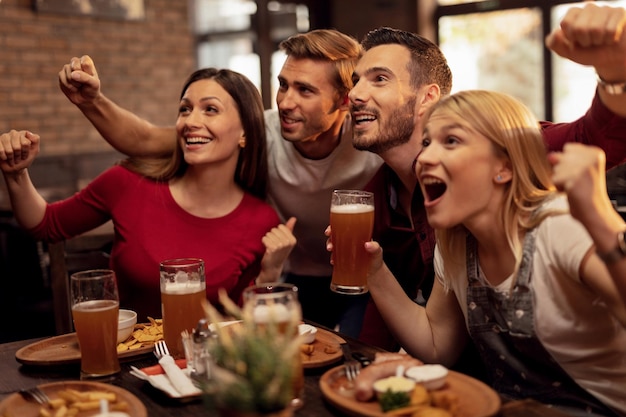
{"x": 251, "y": 171}
{"x": 515, "y": 134}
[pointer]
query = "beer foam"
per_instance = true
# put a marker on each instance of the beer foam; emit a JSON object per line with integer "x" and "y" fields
{"x": 352, "y": 208}
{"x": 271, "y": 313}
{"x": 182, "y": 287}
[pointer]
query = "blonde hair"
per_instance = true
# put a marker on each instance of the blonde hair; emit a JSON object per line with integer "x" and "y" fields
{"x": 515, "y": 135}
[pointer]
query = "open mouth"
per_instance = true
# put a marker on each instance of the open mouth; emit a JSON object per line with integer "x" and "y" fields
{"x": 434, "y": 188}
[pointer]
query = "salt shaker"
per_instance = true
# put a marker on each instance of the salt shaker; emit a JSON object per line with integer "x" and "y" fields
{"x": 201, "y": 336}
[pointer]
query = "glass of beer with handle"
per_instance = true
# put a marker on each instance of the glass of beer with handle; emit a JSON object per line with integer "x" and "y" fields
{"x": 183, "y": 287}
{"x": 95, "y": 308}
{"x": 351, "y": 223}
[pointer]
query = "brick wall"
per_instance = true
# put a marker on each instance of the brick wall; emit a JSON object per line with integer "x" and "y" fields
{"x": 142, "y": 65}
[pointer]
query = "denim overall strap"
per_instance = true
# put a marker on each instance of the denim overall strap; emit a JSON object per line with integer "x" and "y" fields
{"x": 502, "y": 327}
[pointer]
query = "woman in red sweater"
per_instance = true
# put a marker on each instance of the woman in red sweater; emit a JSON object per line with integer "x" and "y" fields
{"x": 205, "y": 201}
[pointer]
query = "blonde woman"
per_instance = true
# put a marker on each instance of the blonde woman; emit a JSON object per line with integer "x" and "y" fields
{"x": 515, "y": 272}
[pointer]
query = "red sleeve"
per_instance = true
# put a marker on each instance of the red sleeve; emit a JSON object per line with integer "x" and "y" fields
{"x": 85, "y": 210}
{"x": 599, "y": 127}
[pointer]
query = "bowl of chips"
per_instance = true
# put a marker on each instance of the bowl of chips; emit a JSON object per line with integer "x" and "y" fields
{"x": 126, "y": 324}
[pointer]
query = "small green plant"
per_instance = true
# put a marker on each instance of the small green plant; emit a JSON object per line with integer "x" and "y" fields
{"x": 252, "y": 366}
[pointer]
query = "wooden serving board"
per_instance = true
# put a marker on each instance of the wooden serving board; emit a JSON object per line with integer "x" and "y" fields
{"x": 16, "y": 406}
{"x": 63, "y": 350}
{"x": 476, "y": 399}
{"x": 326, "y": 350}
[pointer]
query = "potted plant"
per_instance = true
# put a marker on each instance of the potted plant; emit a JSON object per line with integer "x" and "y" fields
{"x": 251, "y": 367}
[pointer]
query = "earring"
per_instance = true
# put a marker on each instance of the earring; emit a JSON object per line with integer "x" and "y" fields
{"x": 499, "y": 178}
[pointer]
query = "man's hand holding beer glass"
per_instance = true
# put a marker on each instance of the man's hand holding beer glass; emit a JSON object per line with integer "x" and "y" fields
{"x": 351, "y": 225}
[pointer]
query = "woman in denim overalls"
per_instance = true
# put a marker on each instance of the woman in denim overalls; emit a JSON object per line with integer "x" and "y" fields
{"x": 515, "y": 273}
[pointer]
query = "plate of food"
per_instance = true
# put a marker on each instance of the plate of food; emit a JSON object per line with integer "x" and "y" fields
{"x": 64, "y": 350}
{"x": 322, "y": 351}
{"x": 459, "y": 396}
{"x": 323, "y": 347}
{"x": 79, "y": 397}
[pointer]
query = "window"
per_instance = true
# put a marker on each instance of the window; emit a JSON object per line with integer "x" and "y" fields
{"x": 230, "y": 34}
{"x": 500, "y": 46}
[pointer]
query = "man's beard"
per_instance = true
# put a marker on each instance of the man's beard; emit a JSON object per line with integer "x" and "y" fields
{"x": 397, "y": 131}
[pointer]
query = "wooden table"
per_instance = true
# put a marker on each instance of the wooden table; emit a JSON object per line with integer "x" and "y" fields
{"x": 14, "y": 376}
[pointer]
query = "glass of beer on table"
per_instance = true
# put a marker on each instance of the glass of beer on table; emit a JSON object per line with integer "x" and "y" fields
{"x": 276, "y": 304}
{"x": 351, "y": 223}
{"x": 183, "y": 287}
{"x": 95, "y": 307}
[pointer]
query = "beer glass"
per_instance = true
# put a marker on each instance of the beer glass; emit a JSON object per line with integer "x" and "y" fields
{"x": 183, "y": 287}
{"x": 95, "y": 306}
{"x": 351, "y": 222}
{"x": 277, "y": 304}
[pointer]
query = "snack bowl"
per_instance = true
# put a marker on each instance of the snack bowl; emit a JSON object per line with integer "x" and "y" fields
{"x": 307, "y": 333}
{"x": 126, "y": 324}
{"x": 431, "y": 376}
{"x": 394, "y": 384}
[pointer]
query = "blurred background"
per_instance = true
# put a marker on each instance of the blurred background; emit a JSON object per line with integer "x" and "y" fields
{"x": 144, "y": 50}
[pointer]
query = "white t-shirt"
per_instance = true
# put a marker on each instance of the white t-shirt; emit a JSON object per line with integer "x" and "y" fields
{"x": 573, "y": 325}
{"x": 302, "y": 188}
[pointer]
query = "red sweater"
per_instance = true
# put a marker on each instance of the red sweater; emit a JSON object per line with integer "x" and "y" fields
{"x": 150, "y": 227}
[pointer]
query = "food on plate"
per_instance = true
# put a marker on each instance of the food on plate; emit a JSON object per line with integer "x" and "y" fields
{"x": 307, "y": 349}
{"x": 446, "y": 400}
{"x": 394, "y": 392}
{"x": 70, "y": 402}
{"x": 382, "y": 367}
{"x": 145, "y": 335}
{"x": 403, "y": 393}
{"x": 394, "y": 384}
{"x": 393, "y": 400}
{"x": 330, "y": 350}
{"x": 421, "y": 402}
{"x": 431, "y": 376}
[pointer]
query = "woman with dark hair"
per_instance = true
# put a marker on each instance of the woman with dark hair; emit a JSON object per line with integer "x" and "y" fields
{"x": 204, "y": 201}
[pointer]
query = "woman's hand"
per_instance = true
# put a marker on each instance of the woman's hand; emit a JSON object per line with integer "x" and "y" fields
{"x": 279, "y": 242}
{"x": 579, "y": 172}
{"x": 18, "y": 149}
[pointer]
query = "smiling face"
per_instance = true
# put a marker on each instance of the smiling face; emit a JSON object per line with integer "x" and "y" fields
{"x": 382, "y": 101}
{"x": 209, "y": 126}
{"x": 460, "y": 173}
{"x": 308, "y": 102}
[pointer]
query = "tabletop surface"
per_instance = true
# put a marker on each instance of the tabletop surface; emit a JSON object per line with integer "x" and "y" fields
{"x": 15, "y": 376}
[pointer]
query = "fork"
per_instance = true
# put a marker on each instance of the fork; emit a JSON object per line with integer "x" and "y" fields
{"x": 353, "y": 367}
{"x": 35, "y": 394}
{"x": 160, "y": 349}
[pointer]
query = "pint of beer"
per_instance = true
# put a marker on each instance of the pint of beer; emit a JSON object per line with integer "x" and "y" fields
{"x": 95, "y": 307}
{"x": 183, "y": 287}
{"x": 351, "y": 222}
